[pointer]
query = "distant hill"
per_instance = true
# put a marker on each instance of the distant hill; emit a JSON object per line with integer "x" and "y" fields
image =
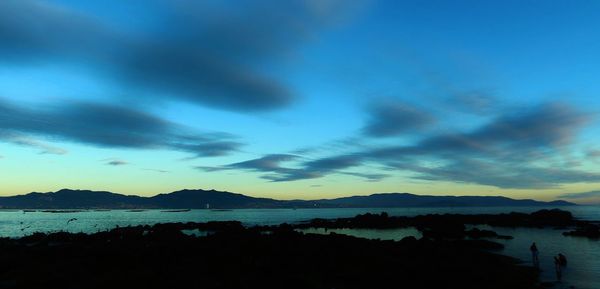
{"x": 199, "y": 199}
{"x": 410, "y": 200}
{"x": 72, "y": 199}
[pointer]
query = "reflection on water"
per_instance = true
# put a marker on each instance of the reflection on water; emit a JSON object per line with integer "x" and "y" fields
{"x": 387, "y": 234}
{"x": 196, "y": 232}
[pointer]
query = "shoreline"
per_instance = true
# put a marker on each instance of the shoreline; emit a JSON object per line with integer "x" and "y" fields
{"x": 234, "y": 256}
{"x": 230, "y": 255}
{"x": 451, "y": 253}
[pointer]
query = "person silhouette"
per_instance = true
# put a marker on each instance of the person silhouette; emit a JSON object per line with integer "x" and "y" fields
{"x": 557, "y": 268}
{"x": 535, "y": 255}
{"x": 562, "y": 259}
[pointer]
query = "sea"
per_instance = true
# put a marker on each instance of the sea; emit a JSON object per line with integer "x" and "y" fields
{"x": 583, "y": 270}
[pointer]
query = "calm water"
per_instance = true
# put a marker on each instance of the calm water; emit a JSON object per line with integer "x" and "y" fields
{"x": 583, "y": 254}
{"x": 17, "y": 223}
{"x": 583, "y": 270}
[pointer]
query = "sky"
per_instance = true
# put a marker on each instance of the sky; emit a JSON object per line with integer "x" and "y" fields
{"x": 301, "y": 99}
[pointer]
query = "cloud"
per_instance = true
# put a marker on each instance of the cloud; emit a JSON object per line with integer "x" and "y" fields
{"x": 34, "y": 30}
{"x": 209, "y": 53}
{"x": 26, "y": 141}
{"x": 593, "y": 154}
{"x": 509, "y": 152}
{"x": 551, "y": 124}
{"x": 157, "y": 171}
{"x": 582, "y": 195}
{"x": 201, "y": 146}
{"x": 268, "y": 163}
{"x": 315, "y": 168}
{"x": 511, "y": 135}
{"x": 514, "y": 150}
{"x": 312, "y": 169}
{"x": 502, "y": 175}
{"x": 369, "y": 177}
{"x": 333, "y": 163}
{"x": 105, "y": 125}
{"x": 116, "y": 162}
{"x": 392, "y": 118}
{"x": 475, "y": 101}
{"x": 289, "y": 175}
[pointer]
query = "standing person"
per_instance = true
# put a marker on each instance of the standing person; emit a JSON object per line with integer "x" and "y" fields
{"x": 558, "y": 268}
{"x": 562, "y": 259}
{"x": 535, "y": 255}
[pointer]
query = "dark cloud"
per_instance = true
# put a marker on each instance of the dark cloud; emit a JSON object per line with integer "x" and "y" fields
{"x": 288, "y": 175}
{"x": 368, "y": 176}
{"x": 593, "y": 154}
{"x": 503, "y": 175}
{"x": 333, "y": 163}
{"x": 549, "y": 125}
{"x": 204, "y": 52}
{"x": 108, "y": 126}
{"x": 392, "y": 118}
{"x": 312, "y": 169}
{"x": 316, "y": 168}
{"x": 269, "y": 163}
{"x": 204, "y": 147}
{"x": 116, "y": 162}
{"x": 513, "y": 150}
{"x": 31, "y": 30}
{"x": 210, "y": 169}
{"x": 509, "y": 152}
{"x": 525, "y": 133}
{"x": 582, "y": 195}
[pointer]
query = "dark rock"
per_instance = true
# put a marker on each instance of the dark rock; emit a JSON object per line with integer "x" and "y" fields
{"x": 542, "y": 218}
{"x": 585, "y": 230}
{"x": 160, "y": 256}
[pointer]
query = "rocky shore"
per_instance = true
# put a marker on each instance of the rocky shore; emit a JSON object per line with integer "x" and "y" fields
{"x": 233, "y": 256}
{"x": 229, "y": 255}
{"x": 543, "y": 218}
{"x": 454, "y": 226}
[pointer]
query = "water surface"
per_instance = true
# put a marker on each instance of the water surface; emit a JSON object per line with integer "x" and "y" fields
{"x": 16, "y": 223}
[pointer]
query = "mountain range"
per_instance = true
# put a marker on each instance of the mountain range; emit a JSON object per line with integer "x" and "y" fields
{"x": 201, "y": 199}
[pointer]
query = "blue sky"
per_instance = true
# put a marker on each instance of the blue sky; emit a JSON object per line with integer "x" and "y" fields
{"x": 301, "y": 99}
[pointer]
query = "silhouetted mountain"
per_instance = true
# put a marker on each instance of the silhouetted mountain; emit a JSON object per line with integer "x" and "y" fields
{"x": 196, "y": 199}
{"x": 410, "y": 200}
{"x": 199, "y": 199}
{"x": 72, "y": 199}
